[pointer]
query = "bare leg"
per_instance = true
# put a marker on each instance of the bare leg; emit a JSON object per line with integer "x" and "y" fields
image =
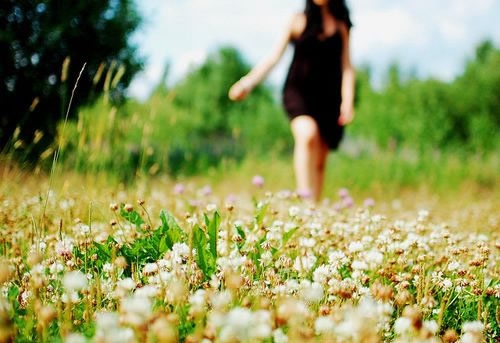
{"x": 309, "y": 156}
{"x": 320, "y": 169}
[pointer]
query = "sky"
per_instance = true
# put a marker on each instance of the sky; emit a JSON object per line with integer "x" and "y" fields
{"x": 432, "y": 38}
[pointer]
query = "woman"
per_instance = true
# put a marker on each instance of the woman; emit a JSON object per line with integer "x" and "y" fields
{"x": 319, "y": 89}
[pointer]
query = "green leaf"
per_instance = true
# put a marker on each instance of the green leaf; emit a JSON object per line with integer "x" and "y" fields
{"x": 173, "y": 231}
{"x": 213, "y": 228}
{"x": 132, "y": 217}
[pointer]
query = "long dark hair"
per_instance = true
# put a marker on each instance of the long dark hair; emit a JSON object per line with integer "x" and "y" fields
{"x": 338, "y": 9}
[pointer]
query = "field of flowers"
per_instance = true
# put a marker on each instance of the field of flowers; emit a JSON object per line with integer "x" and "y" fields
{"x": 185, "y": 263}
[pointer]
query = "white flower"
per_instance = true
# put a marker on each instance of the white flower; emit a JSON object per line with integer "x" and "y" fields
{"x": 355, "y": 247}
{"x": 279, "y": 336}
{"x": 304, "y": 263}
{"x": 126, "y": 284}
{"x": 106, "y": 321}
{"x": 431, "y": 326}
{"x": 402, "y": 325}
{"x": 74, "y": 281}
{"x": 321, "y": 274}
{"x": 136, "y": 310}
{"x": 447, "y": 284}
{"x": 211, "y": 207}
{"x": 473, "y": 327}
{"x": 64, "y": 247}
{"x": 150, "y": 268}
{"x": 324, "y": 325}
{"x": 454, "y": 265}
{"x": 311, "y": 292}
{"x": 307, "y": 242}
{"x": 221, "y": 299}
{"x": 198, "y": 298}
{"x": 359, "y": 265}
{"x": 293, "y": 211}
{"x": 75, "y": 338}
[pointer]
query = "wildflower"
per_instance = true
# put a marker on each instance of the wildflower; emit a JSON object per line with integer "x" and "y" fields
{"x": 74, "y": 281}
{"x": 150, "y": 269}
{"x": 279, "y": 336}
{"x": 75, "y": 338}
{"x": 136, "y": 310}
{"x": 355, "y": 247}
{"x": 311, "y": 292}
{"x": 206, "y": 191}
{"x": 211, "y": 207}
{"x": 293, "y": 211}
{"x": 179, "y": 189}
{"x": 304, "y": 263}
{"x": 64, "y": 248}
{"x": 324, "y": 325}
{"x": 343, "y": 193}
{"x": 369, "y": 202}
{"x": 258, "y": 181}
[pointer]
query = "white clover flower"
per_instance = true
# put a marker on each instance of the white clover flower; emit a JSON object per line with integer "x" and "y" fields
{"x": 64, "y": 247}
{"x": 307, "y": 242}
{"x": 473, "y": 327}
{"x": 355, "y": 247}
{"x": 446, "y": 284}
{"x": 149, "y": 268}
{"x": 359, "y": 265}
{"x": 126, "y": 284}
{"x": 136, "y": 310}
{"x": 311, "y": 292}
{"x": 74, "y": 281}
{"x": 454, "y": 265}
{"x": 266, "y": 258}
{"x": 321, "y": 274}
{"x": 75, "y": 338}
{"x": 198, "y": 298}
{"x": 324, "y": 325}
{"x": 304, "y": 264}
{"x": 211, "y": 207}
{"x": 293, "y": 211}
{"x": 107, "y": 267}
{"x": 81, "y": 229}
{"x": 402, "y": 325}
{"x": 279, "y": 336}
{"x": 221, "y": 299}
{"x": 431, "y": 326}
{"x": 148, "y": 291}
{"x": 106, "y": 321}
{"x": 70, "y": 297}
{"x": 337, "y": 259}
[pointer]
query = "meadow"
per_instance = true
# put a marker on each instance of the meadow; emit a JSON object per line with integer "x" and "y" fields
{"x": 235, "y": 256}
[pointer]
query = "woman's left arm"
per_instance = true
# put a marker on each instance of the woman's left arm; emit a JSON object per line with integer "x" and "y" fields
{"x": 348, "y": 80}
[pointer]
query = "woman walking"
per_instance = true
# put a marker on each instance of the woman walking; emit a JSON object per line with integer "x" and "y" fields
{"x": 318, "y": 95}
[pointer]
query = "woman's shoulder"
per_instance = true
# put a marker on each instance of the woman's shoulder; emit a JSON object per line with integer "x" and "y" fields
{"x": 297, "y": 24}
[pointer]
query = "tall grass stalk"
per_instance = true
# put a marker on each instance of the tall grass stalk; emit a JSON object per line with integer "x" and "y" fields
{"x": 58, "y": 150}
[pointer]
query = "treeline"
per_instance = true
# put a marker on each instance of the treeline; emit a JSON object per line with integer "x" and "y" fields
{"x": 430, "y": 114}
{"x": 192, "y": 126}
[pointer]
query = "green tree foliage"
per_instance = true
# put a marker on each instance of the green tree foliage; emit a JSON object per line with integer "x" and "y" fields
{"x": 43, "y": 46}
{"x": 430, "y": 114}
{"x": 185, "y": 129}
{"x": 214, "y": 127}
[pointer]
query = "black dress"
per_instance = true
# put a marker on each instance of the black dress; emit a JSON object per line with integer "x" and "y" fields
{"x": 313, "y": 84}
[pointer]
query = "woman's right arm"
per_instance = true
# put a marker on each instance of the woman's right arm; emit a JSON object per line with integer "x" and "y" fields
{"x": 244, "y": 86}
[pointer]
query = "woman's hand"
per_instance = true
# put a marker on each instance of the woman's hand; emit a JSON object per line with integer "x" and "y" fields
{"x": 346, "y": 113}
{"x": 240, "y": 89}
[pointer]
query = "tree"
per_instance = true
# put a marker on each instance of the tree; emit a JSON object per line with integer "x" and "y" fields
{"x": 43, "y": 47}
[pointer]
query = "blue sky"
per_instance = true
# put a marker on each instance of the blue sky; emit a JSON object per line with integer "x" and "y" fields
{"x": 431, "y": 37}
